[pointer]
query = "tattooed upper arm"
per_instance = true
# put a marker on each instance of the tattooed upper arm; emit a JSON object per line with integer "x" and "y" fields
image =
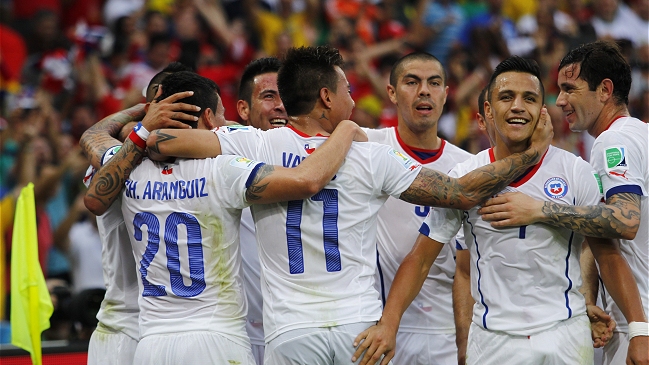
{"x": 433, "y": 188}
{"x": 257, "y": 187}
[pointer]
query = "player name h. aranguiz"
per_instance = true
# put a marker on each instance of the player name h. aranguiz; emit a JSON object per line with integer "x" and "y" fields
{"x": 166, "y": 190}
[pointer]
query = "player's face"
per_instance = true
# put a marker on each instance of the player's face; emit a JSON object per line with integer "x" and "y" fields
{"x": 343, "y": 104}
{"x": 266, "y": 110}
{"x": 580, "y": 105}
{"x": 514, "y": 106}
{"x": 420, "y": 94}
{"x": 218, "y": 117}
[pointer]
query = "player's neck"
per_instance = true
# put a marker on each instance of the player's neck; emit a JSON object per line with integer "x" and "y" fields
{"x": 425, "y": 140}
{"x": 606, "y": 117}
{"x": 310, "y": 124}
{"x": 502, "y": 150}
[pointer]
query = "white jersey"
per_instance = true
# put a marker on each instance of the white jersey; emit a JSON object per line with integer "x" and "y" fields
{"x": 621, "y": 158}
{"x": 183, "y": 221}
{"x": 251, "y": 278}
{"x": 525, "y": 279}
{"x": 432, "y": 309}
{"x": 119, "y": 310}
{"x": 318, "y": 256}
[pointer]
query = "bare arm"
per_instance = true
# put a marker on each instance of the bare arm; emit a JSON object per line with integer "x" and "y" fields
{"x": 198, "y": 143}
{"x": 618, "y": 218}
{"x": 380, "y": 339}
{"x": 274, "y": 184}
{"x": 462, "y": 302}
{"x": 601, "y": 324}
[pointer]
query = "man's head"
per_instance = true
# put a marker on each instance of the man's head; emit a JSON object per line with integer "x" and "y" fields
{"x": 484, "y": 123}
{"x": 259, "y": 103}
{"x": 312, "y": 76}
{"x": 418, "y": 89}
{"x": 173, "y": 67}
{"x": 205, "y": 96}
{"x": 514, "y": 101}
{"x": 592, "y": 77}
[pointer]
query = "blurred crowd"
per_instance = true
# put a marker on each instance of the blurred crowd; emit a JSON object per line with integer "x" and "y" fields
{"x": 66, "y": 64}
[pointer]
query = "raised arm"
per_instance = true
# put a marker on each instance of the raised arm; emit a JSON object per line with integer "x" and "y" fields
{"x": 380, "y": 339}
{"x": 274, "y": 183}
{"x": 618, "y": 218}
{"x": 196, "y": 143}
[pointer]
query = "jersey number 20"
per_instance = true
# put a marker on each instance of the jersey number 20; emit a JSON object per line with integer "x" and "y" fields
{"x": 329, "y": 199}
{"x": 194, "y": 247}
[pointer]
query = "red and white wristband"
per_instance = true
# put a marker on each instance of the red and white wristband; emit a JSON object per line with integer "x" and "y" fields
{"x": 638, "y": 329}
{"x": 139, "y": 135}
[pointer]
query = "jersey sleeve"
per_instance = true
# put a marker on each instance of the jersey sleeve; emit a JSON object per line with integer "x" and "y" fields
{"x": 239, "y": 140}
{"x": 588, "y": 188}
{"x": 617, "y": 165}
{"x": 395, "y": 171}
{"x": 234, "y": 174}
{"x": 442, "y": 225}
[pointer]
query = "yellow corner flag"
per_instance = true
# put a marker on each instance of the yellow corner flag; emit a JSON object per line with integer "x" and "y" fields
{"x": 31, "y": 305}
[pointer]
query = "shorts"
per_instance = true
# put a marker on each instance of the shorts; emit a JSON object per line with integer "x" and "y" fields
{"x": 425, "y": 349}
{"x": 194, "y": 347}
{"x": 315, "y": 346}
{"x": 258, "y": 353}
{"x": 569, "y": 342}
{"x": 616, "y": 349}
{"x": 108, "y": 347}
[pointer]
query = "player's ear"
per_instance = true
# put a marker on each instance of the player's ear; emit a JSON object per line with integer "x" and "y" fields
{"x": 208, "y": 119}
{"x": 487, "y": 110}
{"x": 325, "y": 97}
{"x": 392, "y": 94}
{"x": 243, "y": 109}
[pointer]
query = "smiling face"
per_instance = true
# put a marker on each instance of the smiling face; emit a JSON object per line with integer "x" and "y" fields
{"x": 419, "y": 94}
{"x": 514, "y": 106}
{"x": 266, "y": 110}
{"x": 580, "y": 105}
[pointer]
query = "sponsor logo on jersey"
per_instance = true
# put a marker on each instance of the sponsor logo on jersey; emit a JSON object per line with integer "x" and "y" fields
{"x": 167, "y": 170}
{"x": 243, "y": 163}
{"x": 309, "y": 147}
{"x": 405, "y": 161}
{"x": 615, "y": 157}
{"x": 622, "y": 175}
{"x": 556, "y": 187}
{"x": 599, "y": 182}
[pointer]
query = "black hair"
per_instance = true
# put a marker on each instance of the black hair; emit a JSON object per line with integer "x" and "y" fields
{"x": 398, "y": 67}
{"x": 516, "y": 64}
{"x": 173, "y": 67}
{"x": 254, "y": 69}
{"x": 481, "y": 98}
{"x": 602, "y": 60}
{"x": 304, "y": 72}
{"x": 205, "y": 92}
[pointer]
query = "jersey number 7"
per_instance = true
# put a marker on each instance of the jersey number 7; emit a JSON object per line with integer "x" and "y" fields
{"x": 329, "y": 199}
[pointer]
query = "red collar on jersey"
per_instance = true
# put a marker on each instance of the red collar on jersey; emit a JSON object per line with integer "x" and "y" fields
{"x": 412, "y": 151}
{"x": 302, "y": 134}
{"x": 613, "y": 121}
{"x": 527, "y": 175}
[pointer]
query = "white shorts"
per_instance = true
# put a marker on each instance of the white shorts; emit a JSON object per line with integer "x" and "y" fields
{"x": 194, "y": 347}
{"x": 616, "y": 349}
{"x": 258, "y": 353}
{"x": 425, "y": 349}
{"x": 108, "y": 347}
{"x": 569, "y": 342}
{"x": 315, "y": 346}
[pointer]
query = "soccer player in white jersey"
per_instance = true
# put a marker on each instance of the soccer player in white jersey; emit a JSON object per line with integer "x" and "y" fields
{"x": 114, "y": 340}
{"x": 595, "y": 80}
{"x": 318, "y": 256}
{"x": 524, "y": 280}
{"x": 427, "y": 332}
{"x": 192, "y": 308}
{"x": 260, "y": 106}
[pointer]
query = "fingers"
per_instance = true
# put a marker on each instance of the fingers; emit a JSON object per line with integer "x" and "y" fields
{"x": 388, "y": 356}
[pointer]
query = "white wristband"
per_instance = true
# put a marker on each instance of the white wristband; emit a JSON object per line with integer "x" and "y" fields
{"x": 638, "y": 329}
{"x": 141, "y": 131}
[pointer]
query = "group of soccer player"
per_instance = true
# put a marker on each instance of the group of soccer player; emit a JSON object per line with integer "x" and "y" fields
{"x": 351, "y": 250}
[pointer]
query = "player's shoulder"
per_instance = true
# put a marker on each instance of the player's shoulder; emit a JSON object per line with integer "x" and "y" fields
{"x": 472, "y": 162}
{"x": 381, "y": 135}
{"x": 623, "y": 130}
{"x": 455, "y": 151}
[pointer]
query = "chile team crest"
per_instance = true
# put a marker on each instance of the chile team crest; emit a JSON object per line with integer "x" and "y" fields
{"x": 556, "y": 187}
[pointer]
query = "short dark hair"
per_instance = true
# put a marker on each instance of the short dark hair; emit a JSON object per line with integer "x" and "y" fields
{"x": 602, "y": 60}
{"x": 398, "y": 66}
{"x": 481, "y": 98}
{"x": 173, "y": 67}
{"x": 305, "y": 71}
{"x": 255, "y": 68}
{"x": 516, "y": 64}
{"x": 205, "y": 92}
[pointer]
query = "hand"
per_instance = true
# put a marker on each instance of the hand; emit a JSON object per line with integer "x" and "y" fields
{"x": 601, "y": 325}
{"x": 543, "y": 133}
{"x": 511, "y": 210}
{"x": 375, "y": 341}
{"x": 637, "y": 353}
{"x": 167, "y": 113}
{"x": 359, "y": 134}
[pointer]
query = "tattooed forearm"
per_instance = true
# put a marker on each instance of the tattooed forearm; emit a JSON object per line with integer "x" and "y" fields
{"x": 433, "y": 188}
{"x": 619, "y": 218}
{"x": 257, "y": 187}
{"x": 161, "y": 137}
